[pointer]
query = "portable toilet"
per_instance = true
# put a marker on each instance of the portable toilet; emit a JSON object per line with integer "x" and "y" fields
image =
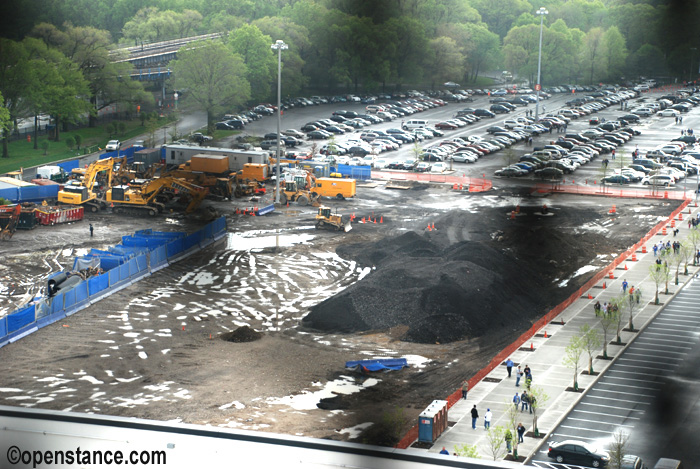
{"x": 432, "y": 421}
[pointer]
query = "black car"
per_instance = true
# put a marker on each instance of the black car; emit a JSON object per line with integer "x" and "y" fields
{"x": 499, "y": 109}
{"x": 270, "y": 136}
{"x": 549, "y": 173}
{"x": 309, "y": 128}
{"x": 578, "y": 452}
{"x": 223, "y": 126}
{"x": 483, "y": 113}
{"x": 629, "y": 118}
{"x": 290, "y": 141}
{"x": 495, "y": 128}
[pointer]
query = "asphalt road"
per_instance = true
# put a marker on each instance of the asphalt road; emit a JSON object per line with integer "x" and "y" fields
{"x": 649, "y": 393}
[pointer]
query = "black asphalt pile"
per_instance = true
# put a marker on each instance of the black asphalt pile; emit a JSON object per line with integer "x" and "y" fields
{"x": 242, "y": 334}
{"x": 440, "y": 294}
{"x": 476, "y": 275}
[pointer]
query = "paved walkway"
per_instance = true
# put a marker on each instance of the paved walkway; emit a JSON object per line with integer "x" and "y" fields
{"x": 496, "y": 391}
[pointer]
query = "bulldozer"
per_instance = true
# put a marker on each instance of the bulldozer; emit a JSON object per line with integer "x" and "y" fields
{"x": 9, "y": 218}
{"x": 219, "y": 187}
{"x": 325, "y": 219}
{"x": 151, "y": 197}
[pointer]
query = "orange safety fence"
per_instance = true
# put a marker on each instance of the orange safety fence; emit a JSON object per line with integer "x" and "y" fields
{"x": 609, "y": 191}
{"x": 453, "y": 398}
{"x": 474, "y": 184}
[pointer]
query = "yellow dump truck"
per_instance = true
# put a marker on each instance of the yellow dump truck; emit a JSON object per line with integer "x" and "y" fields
{"x": 334, "y": 187}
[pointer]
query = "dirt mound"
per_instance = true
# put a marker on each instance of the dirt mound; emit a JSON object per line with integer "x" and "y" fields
{"x": 463, "y": 281}
{"x": 242, "y": 334}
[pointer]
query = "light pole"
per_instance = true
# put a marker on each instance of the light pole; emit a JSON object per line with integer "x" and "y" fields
{"x": 690, "y": 75}
{"x": 541, "y": 12}
{"x": 279, "y": 45}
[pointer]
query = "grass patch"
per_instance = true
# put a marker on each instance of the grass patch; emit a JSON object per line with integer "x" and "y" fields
{"x": 22, "y": 153}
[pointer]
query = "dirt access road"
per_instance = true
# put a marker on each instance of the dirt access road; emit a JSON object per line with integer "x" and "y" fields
{"x": 154, "y": 350}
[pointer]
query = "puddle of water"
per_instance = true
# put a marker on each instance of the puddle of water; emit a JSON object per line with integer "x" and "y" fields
{"x": 237, "y": 242}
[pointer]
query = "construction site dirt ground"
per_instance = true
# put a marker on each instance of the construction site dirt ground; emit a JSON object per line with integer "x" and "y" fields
{"x": 154, "y": 350}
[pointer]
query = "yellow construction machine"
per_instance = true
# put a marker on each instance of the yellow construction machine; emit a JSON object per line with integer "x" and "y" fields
{"x": 9, "y": 218}
{"x": 89, "y": 192}
{"x": 219, "y": 187}
{"x": 151, "y": 197}
{"x": 326, "y": 219}
{"x": 297, "y": 187}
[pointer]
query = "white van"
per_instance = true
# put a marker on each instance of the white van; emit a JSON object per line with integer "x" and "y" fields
{"x": 414, "y": 124}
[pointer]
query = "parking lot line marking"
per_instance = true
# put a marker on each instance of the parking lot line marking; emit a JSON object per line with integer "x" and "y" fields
{"x": 646, "y": 363}
{"x": 627, "y": 408}
{"x": 643, "y": 396}
{"x": 617, "y": 385}
{"x": 618, "y": 392}
{"x": 624, "y": 378}
{"x": 611, "y": 415}
{"x": 606, "y": 432}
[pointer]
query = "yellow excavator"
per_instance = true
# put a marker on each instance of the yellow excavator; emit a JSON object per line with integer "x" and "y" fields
{"x": 219, "y": 187}
{"x": 326, "y": 219}
{"x": 151, "y": 197}
{"x": 89, "y": 192}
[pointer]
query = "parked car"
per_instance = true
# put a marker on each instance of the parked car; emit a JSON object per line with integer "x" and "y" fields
{"x": 659, "y": 180}
{"x": 668, "y": 113}
{"x": 549, "y": 173}
{"x": 483, "y": 113}
{"x": 318, "y": 134}
{"x": 422, "y": 167}
{"x": 578, "y": 452}
{"x": 616, "y": 179}
{"x": 508, "y": 172}
{"x": 446, "y": 126}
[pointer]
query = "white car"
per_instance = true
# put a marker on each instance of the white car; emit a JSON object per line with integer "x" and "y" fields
{"x": 668, "y": 113}
{"x": 113, "y": 145}
{"x": 659, "y": 180}
{"x": 439, "y": 167}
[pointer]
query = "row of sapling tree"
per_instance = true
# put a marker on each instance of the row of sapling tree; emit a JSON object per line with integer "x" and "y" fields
{"x": 588, "y": 341}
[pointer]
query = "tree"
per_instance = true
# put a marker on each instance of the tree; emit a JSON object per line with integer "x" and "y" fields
{"x": 675, "y": 260}
{"x": 632, "y": 304}
{"x": 513, "y": 416}
{"x": 261, "y": 62}
{"x": 618, "y": 448}
{"x": 607, "y": 317}
{"x": 685, "y": 252}
{"x": 616, "y": 305}
{"x": 5, "y": 121}
{"x": 497, "y": 442}
{"x": 658, "y": 273}
{"x": 538, "y": 398}
{"x": 615, "y": 53}
{"x": 443, "y": 61}
{"x": 590, "y": 342}
{"x": 214, "y": 77}
{"x": 572, "y": 356}
{"x": 89, "y": 49}
{"x": 467, "y": 451}
{"x": 16, "y": 81}
{"x": 594, "y": 49}
{"x": 694, "y": 239}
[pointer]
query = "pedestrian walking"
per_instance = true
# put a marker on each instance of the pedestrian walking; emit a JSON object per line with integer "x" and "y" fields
{"x": 509, "y": 440}
{"x": 444, "y": 451}
{"x": 487, "y": 419}
{"x": 521, "y": 432}
{"x": 624, "y": 286}
{"x": 527, "y": 371}
{"x": 465, "y": 388}
{"x": 638, "y": 295}
{"x": 516, "y": 400}
{"x": 523, "y": 401}
{"x": 612, "y": 153}
{"x": 509, "y": 366}
{"x": 655, "y": 248}
{"x": 518, "y": 376}
{"x": 91, "y": 230}
{"x": 532, "y": 401}
{"x": 475, "y": 415}
{"x": 596, "y": 308}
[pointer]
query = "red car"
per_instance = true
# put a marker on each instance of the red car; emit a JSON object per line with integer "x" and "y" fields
{"x": 445, "y": 126}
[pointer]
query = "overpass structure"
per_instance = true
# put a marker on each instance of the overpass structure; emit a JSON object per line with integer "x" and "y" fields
{"x": 151, "y": 61}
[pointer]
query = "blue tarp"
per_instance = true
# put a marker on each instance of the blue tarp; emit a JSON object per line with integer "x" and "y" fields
{"x": 69, "y": 166}
{"x": 20, "y": 318}
{"x": 355, "y": 172}
{"x": 3, "y": 327}
{"x": 387, "y": 364}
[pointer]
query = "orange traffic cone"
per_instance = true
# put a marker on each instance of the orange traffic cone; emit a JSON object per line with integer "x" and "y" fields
{"x": 381, "y": 219}
{"x": 532, "y": 347}
{"x": 604, "y": 286}
{"x": 626, "y": 267}
{"x": 375, "y": 220}
{"x": 545, "y": 334}
{"x": 433, "y": 225}
{"x": 610, "y": 275}
{"x": 363, "y": 220}
{"x": 673, "y": 223}
{"x": 590, "y": 297}
{"x": 634, "y": 257}
{"x": 644, "y": 249}
{"x": 680, "y": 217}
{"x": 430, "y": 228}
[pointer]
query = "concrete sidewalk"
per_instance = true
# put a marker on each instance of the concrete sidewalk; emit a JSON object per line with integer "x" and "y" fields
{"x": 496, "y": 391}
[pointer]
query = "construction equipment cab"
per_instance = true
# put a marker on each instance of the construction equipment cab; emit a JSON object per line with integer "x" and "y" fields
{"x": 90, "y": 191}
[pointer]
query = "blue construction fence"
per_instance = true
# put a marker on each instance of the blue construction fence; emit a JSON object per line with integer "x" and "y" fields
{"x": 361, "y": 173}
{"x": 137, "y": 256}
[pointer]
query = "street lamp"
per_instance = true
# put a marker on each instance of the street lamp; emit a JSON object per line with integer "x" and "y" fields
{"x": 690, "y": 75}
{"x": 541, "y": 12}
{"x": 279, "y": 46}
